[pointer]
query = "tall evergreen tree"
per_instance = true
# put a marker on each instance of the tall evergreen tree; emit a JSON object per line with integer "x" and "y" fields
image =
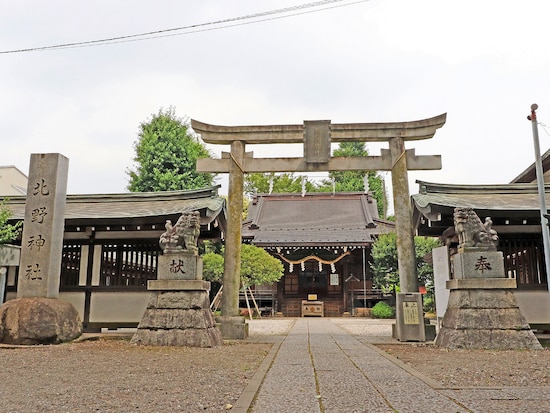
{"x": 166, "y": 153}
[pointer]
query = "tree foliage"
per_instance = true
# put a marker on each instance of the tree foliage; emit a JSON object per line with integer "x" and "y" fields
{"x": 166, "y": 153}
{"x": 425, "y": 271}
{"x": 354, "y": 181}
{"x": 382, "y": 310}
{"x": 212, "y": 266}
{"x": 257, "y": 266}
{"x": 258, "y": 183}
{"x": 8, "y": 232}
{"x": 385, "y": 264}
{"x": 339, "y": 181}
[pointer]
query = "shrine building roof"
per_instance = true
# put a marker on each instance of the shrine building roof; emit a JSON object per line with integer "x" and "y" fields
{"x": 138, "y": 206}
{"x": 315, "y": 219}
{"x": 512, "y": 207}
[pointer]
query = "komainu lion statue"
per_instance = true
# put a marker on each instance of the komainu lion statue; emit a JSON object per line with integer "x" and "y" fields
{"x": 472, "y": 232}
{"x": 183, "y": 235}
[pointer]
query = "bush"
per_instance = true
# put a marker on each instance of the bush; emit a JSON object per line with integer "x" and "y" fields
{"x": 382, "y": 310}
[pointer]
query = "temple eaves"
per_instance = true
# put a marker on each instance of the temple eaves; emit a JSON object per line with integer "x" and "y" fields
{"x": 345, "y": 132}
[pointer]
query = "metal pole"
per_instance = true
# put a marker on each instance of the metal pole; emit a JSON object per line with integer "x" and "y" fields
{"x": 542, "y": 194}
{"x": 364, "y": 281}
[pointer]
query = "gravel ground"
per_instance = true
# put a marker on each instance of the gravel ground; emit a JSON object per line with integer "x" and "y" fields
{"x": 475, "y": 368}
{"x": 116, "y": 376}
{"x": 111, "y": 375}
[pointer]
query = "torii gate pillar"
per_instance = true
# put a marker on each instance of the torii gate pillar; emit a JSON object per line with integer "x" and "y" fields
{"x": 316, "y": 137}
{"x": 233, "y": 239}
{"x": 408, "y": 279}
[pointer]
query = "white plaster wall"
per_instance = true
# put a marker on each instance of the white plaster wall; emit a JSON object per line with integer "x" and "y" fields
{"x": 118, "y": 307}
{"x": 534, "y": 305}
{"x": 76, "y": 299}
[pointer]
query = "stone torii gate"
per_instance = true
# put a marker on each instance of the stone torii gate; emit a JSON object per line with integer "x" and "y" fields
{"x": 316, "y": 137}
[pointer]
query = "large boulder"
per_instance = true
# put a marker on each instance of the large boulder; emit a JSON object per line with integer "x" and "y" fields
{"x": 38, "y": 320}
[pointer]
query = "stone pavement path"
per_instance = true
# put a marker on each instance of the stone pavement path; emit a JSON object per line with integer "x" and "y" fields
{"x": 319, "y": 367}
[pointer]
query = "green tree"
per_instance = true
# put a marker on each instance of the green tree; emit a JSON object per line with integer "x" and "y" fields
{"x": 354, "y": 181}
{"x": 8, "y": 232}
{"x": 344, "y": 181}
{"x": 385, "y": 264}
{"x": 212, "y": 266}
{"x": 166, "y": 153}
{"x": 258, "y": 183}
{"x": 257, "y": 266}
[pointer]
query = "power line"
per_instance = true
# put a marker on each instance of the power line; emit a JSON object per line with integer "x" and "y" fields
{"x": 195, "y": 28}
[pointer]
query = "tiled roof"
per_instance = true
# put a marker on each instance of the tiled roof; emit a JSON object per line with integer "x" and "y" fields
{"x": 506, "y": 204}
{"x": 486, "y": 197}
{"x": 313, "y": 219}
{"x": 134, "y": 205}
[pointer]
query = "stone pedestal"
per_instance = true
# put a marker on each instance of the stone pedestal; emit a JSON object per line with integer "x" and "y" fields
{"x": 478, "y": 262}
{"x": 178, "y": 312}
{"x": 185, "y": 265}
{"x": 38, "y": 320}
{"x": 483, "y": 313}
{"x": 232, "y": 327}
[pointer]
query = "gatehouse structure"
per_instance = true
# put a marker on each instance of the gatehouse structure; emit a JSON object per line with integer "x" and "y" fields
{"x": 317, "y": 136}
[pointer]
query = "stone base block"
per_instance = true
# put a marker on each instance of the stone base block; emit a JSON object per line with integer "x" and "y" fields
{"x": 184, "y": 265}
{"x": 232, "y": 328}
{"x": 178, "y": 318}
{"x": 481, "y": 283}
{"x": 485, "y": 319}
{"x": 178, "y": 285}
{"x": 478, "y": 263}
{"x": 38, "y": 320}
{"x": 487, "y": 339}
{"x": 174, "y": 299}
{"x": 188, "y": 337}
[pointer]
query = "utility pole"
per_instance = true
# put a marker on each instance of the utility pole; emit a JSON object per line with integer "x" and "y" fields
{"x": 542, "y": 192}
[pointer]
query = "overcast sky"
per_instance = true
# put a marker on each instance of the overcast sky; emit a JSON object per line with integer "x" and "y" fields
{"x": 482, "y": 62}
